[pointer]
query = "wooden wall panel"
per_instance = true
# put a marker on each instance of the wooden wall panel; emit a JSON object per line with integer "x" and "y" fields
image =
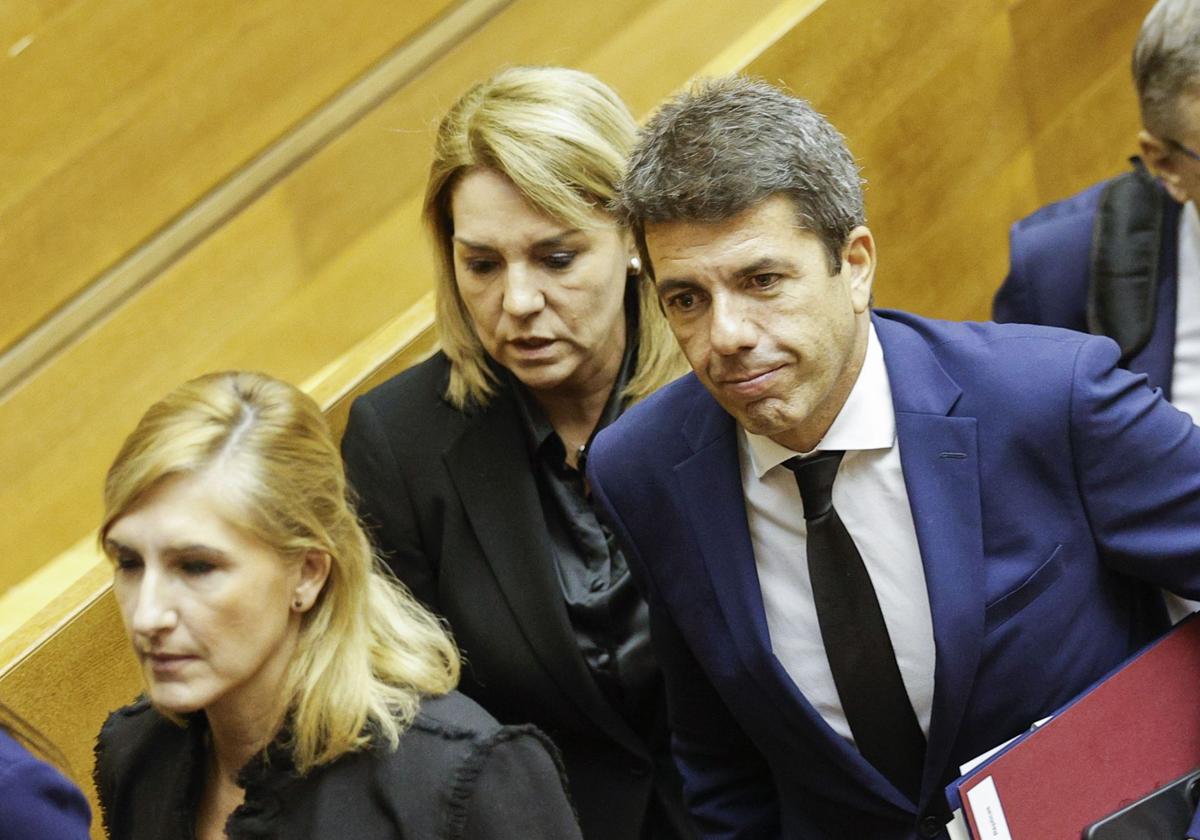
{"x": 949, "y": 180}
{"x": 945, "y": 104}
{"x": 313, "y": 266}
{"x": 1064, "y": 48}
{"x": 1092, "y": 138}
{"x": 1074, "y": 69}
{"x": 19, "y": 18}
{"x": 124, "y": 112}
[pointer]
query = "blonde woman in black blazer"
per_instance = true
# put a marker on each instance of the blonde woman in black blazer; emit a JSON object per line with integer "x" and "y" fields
{"x": 293, "y": 688}
{"x": 469, "y": 466}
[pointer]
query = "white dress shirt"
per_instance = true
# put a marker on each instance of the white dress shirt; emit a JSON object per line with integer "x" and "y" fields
{"x": 1185, "y": 372}
{"x": 870, "y": 497}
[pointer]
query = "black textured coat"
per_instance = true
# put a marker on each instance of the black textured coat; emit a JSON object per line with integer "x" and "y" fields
{"x": 456, "y": 774}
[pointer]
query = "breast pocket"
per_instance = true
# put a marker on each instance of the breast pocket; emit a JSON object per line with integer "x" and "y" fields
{"x": 1012, "y": 602}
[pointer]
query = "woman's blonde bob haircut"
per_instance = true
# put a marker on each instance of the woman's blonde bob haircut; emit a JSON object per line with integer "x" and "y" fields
{"x": 562, "y": 137}
{"x": 367, "y": 651}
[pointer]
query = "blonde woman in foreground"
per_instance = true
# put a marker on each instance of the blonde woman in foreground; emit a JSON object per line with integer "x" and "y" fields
{"x": 293, "y": 690}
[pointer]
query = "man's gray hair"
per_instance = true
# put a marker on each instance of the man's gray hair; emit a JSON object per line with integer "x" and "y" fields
{"x": 1166, "y": 64}
{"x": 728, "y": 144}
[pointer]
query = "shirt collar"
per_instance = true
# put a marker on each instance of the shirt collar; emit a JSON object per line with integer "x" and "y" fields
{"x": 1190, "y": 223}
{"x": 866, "y": 421}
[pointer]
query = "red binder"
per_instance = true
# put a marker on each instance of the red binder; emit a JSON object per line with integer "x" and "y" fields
{"x": 1131, "y": 733}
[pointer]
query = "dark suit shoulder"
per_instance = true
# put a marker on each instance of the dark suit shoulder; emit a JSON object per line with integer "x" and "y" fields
{"x": 1081, "y": 204}
{"x": 978, "y": 352}
{"x": 36, "y": 800}
{"x": 1052, "y": 251}
{"x": 979, "y": 336}
{"x": 453, "y": 729}
{"x": 456, "y": 753}
{"x": 640, "y": 430}
{"x": 1018, "y": 375}
{"x": 408, "y": 413}
{"x": 132, "y": 731}
{"x": 455, "y": 716}
{"x": 412, "y": 391}
{"x": 1049, "y": 257}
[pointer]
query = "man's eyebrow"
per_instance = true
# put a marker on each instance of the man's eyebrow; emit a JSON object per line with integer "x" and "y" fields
{"x": 675, "y": 284}
{"x": 760, "y": 266}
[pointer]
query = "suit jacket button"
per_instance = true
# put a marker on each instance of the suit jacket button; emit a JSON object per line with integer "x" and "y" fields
{"x": 930, "y": 827}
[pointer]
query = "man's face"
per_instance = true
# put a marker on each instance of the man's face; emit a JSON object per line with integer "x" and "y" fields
{"x": 774, "y": 336}
{"x": 1173, "y": 159}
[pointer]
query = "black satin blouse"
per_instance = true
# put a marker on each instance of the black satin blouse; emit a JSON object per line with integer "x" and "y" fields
{"x": 608, "y": 616}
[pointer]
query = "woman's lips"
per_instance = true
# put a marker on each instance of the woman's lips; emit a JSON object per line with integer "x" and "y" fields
{"x": 168, "y": 664}
{"x": 532, "y": 348}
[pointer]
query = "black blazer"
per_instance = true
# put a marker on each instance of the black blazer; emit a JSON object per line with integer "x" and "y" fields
{"x": 452, "y": 502}
{"x": 456, "y": 775}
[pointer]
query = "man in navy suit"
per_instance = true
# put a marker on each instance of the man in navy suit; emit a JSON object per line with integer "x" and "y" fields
{"x": 1122, "y": 258}
{"x": 873, "y": 545}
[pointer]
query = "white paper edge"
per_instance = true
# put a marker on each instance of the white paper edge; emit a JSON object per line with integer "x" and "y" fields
{"x": 988, "y": 813}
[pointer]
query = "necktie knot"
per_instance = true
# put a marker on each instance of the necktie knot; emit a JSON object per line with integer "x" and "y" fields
{"x": 814, "y": 477}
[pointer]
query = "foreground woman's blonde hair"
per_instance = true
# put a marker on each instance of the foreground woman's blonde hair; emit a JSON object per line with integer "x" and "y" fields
{"x": 562, "y": 137}
{"x": 367, "y": 650}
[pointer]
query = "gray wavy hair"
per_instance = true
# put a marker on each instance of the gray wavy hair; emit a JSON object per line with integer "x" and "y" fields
{"x": 731, "y": 142}
{"x": 1166, "y": 63}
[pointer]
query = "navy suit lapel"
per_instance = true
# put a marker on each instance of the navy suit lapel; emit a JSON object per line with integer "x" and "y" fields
{"x": 939, "y": 457}
{"x": 489, "y": 465}
{"x": 1157, "y": 358}
{"x": 707, "y": 482}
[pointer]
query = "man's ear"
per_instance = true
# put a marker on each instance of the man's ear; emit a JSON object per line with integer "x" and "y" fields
{"x": 858, "y": 266}
{"x": 1164, "y": 162}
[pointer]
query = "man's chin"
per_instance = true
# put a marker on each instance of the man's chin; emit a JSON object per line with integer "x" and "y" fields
{"x": 761, "y": 418}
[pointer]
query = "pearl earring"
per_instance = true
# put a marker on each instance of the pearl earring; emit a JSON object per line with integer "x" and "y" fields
{"x": 635, "y": 265}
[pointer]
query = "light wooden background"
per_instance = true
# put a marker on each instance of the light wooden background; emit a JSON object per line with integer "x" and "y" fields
{"x": 234, "y": 184}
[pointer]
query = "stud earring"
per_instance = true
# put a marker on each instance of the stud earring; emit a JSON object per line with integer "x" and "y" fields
{"x": 635, "y": 265}
{"x": 297, "y": 604}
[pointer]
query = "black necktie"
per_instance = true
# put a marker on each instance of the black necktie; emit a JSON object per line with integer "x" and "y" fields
{"x": 856, "y": 639}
